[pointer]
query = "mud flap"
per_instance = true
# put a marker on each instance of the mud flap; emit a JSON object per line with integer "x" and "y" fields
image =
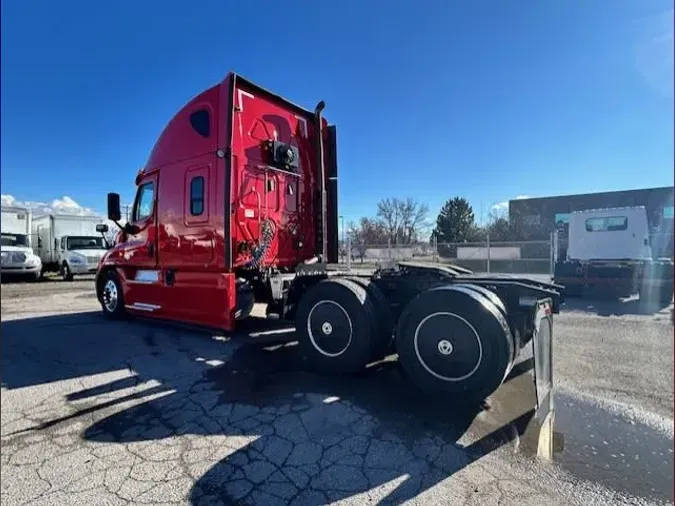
{"x": 540, "y": 437}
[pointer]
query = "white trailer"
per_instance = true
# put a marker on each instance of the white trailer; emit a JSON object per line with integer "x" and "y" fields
{"x": 68, "y": 244}
{"x": 610, "y": 248}
{"x": 16, "y": 255}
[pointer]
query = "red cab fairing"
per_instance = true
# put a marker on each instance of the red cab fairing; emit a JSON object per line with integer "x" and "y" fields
{"x": 218, "y": 204}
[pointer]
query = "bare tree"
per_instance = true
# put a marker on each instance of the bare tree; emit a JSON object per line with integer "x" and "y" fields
{"x": 404, "y": 220}
{"x": 366, "y": 234}
{"x": 389, "y": 214}
{"x": 414, "y": 220}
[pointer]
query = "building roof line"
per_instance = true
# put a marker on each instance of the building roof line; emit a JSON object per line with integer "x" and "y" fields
{"x": 572, "y": 195}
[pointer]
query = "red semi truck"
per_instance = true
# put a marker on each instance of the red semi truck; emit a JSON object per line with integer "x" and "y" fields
{"x": 237, "y": 204}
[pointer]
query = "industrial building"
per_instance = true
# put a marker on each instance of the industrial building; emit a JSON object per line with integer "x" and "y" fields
{"x": 537, "y": 217}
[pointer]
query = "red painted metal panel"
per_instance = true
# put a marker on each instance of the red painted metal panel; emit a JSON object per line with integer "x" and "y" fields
{"x": 195, "y": 256}
{"x": 260, "y": 192}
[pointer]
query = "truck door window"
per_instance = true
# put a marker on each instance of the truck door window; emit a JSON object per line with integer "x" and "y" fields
{"x": 197, "y": 196}
{"x": 144, "y": 201}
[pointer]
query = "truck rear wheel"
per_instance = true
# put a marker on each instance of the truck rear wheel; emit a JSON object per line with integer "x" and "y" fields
{"x": 112, "y": 296}
{"x": 335, "y": 326}
{"x": 454, "y": 340}
{"x": 383, "y": 318}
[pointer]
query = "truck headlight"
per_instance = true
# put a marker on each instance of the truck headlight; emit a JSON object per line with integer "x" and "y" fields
{"x": 77, "y": 260}
{"x": 33, "y": 261}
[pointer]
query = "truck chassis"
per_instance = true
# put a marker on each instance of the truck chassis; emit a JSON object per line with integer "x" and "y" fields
{"x": 652, "y": 280}
{"x": 454, "y": 332}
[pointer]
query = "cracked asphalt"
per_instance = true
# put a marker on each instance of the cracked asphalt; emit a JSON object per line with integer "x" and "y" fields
{"x": 95, "y": 412}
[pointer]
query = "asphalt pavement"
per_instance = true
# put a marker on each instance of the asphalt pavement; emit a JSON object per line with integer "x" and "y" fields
{"x": 95, "y": 412}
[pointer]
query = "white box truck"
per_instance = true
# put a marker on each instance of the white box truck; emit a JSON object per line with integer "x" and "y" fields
{"x": 16, "y": 256}
{"x": 610, "y": 248}
{"x": 68, "y": 244}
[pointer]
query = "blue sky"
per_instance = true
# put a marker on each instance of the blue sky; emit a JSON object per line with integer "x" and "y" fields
{"x": 485, "y": 99}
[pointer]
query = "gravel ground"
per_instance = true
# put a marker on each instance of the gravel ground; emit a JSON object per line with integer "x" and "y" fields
{"x": 95, "y": 412}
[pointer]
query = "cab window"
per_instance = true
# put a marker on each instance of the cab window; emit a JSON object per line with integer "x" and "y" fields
{"x": 197, "y": 196}
{"x": 607, "y": 224}
{"x": 144, "y": 201}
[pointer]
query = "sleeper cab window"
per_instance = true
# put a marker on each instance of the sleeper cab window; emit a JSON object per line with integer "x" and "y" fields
{"x": 144, "y": 201}
{"x": 200, "y": 121}
{"x": 197, "y": 195}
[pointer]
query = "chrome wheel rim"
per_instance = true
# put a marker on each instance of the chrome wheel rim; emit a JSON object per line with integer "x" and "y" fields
{"x": 110, "y": 296}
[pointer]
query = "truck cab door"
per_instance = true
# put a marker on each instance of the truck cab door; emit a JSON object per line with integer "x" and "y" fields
{"x": 141, "y": 246}
{"x": 142, "y": 276}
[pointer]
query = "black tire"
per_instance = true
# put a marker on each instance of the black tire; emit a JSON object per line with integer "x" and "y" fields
{"x": 66, "y": 273}
{"x": 114, "y": 311}
{"x": 335, "y": 326}
{"x": 499, "y": 304}
{"x": 489, "y": 294}
{"x": 383, "y": 318}
{"x": 453, "y": 339}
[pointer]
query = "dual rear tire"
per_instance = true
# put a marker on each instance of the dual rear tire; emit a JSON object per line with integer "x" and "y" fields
{"x": 336, "y": 326}
{"x": 455, "y": 340}
{"x": 452, "y": 339}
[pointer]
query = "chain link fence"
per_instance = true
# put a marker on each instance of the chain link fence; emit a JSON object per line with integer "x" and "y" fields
{"x": 513, "y": 257}
{"x": 498, "y": 257}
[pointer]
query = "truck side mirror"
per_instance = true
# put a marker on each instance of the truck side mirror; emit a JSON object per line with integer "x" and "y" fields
{"x": 102, "y": 228}
{"x": 39, "y": 242}
{"x": 114, "y": 213}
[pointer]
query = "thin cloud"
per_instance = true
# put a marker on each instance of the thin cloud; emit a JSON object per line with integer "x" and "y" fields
{"x": 63, "y": 205}
{"x": 502, "y": 207}
{"x": 654, "y": 52}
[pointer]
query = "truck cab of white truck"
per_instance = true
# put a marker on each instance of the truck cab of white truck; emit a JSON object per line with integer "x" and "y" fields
{"x": 69, "y": 244}
{"x": 610, "y": 249}
{"x": 16, "y": 255}
{"x": 620, "y": 233}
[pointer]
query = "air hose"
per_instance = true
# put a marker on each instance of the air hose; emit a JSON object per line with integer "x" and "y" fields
{"x": 267, "y": 232}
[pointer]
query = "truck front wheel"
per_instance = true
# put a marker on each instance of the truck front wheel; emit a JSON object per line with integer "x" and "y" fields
{"x": 453, "y": 339}
{"x": 66, "y": 273}
{"x": 335, "y": 326}
{"x": 112, "y": 296}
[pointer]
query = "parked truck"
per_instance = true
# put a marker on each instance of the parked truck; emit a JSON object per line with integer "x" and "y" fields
{"x": 609, "y": 249}
{"x": 68, "y": 244}
{"x": 237, "y": 204}
{"x": 16, "y": 255}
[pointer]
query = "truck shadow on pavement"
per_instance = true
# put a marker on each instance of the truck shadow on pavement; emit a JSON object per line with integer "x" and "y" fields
{"x": 254, "y": 425}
